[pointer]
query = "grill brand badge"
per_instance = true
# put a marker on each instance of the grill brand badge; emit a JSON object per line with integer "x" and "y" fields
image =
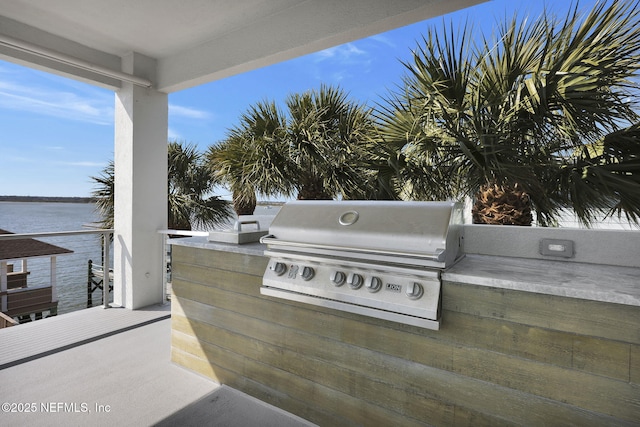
{"x": 393, "y": 287}
{"x": 293, "y": 271}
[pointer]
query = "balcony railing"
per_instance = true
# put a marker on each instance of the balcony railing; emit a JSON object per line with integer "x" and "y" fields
{"x": 166, "y": 281}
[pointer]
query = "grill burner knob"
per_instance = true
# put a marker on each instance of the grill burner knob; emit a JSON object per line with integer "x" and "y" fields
{"x": 373, "y": 284}
{"x": 414, "y": 290}
{"x": 279, "y": 268}
{"x": 337, "y": 277}
{"x": 354, "y": 280}
{"x": 307, "y": 273}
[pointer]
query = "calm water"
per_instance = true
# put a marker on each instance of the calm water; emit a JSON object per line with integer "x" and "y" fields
{"x": 72, "y": 276}
{"x": 71, "y": 269}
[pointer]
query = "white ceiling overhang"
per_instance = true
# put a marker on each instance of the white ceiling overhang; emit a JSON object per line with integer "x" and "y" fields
{"x": 192, "y": 41}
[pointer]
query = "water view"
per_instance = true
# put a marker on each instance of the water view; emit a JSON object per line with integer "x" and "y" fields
{"x": 72, "y": 269}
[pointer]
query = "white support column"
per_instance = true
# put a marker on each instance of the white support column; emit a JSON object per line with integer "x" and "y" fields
{"x": 141, "y": 121}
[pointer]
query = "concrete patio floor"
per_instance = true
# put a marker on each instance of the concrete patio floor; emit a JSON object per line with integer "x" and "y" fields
{"x": 112, "y": 367}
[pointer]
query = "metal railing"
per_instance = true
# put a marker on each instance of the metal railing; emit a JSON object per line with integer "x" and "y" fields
{"x": 166, "y": 250}
{"x": 106, "y": 240}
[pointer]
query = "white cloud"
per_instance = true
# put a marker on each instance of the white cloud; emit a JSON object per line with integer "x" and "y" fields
{"x": 381, "y": 38}
{"x": 43, "y": 161}
{"x": 187, "y": 112}
{"x": 19, "y": 159}
{"x": 340, "y": 75}
{"x": 172, "y": 134}
{"x": 74, "y": 102}
{"x": 88, "y": 164}
{"x": 57, "y": 103}
{"x": 340, "y": 63}
{"x": 344, "y": 53}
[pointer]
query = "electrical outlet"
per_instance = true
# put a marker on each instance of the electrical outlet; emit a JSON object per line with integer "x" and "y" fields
{"x": 557, "y": 248}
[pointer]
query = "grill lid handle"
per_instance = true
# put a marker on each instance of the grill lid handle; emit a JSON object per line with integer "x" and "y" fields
{"x": 237, "y": 226}
{"x": 439, "y": 255}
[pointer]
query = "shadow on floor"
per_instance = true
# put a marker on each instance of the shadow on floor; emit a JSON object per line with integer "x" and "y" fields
{"x": 226, "y": 407}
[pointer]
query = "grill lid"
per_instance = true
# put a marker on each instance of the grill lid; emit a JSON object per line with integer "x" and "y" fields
{"x": 426, "y": 233}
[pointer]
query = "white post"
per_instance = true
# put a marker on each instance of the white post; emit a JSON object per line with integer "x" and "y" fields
{"x": 165, "y": 250}
{"x": 24, "y": 265}
{"x": 54, "y": 291}
{"x": 140, "y": 187}
{"x": 3, "y": 285}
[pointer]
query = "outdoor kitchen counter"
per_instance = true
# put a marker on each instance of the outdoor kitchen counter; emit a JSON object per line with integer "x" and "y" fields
{"x": 605, "y": 283}
{"x": 203, "y": 243}
{"x": 523, "y": 340}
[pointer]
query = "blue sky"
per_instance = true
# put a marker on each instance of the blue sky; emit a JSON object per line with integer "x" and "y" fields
{"x": 56, "y": 133}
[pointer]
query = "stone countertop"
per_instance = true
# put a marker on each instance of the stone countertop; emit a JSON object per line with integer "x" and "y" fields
{"x": 606, "y": 283}
{"x": 203, "y": 243}
{"x": 620, "y": 285}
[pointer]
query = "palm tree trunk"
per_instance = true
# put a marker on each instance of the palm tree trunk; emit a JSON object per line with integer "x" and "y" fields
{"x": 313, "y": 190}
{"x": 502, "y": 205}
{"x": 244, "y": 202}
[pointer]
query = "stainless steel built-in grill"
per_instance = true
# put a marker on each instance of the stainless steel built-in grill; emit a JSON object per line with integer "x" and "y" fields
{"x": 375, "y": 258}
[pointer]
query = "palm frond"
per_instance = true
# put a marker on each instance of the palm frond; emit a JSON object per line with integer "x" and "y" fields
{"x": 189, "y": 187}
{"x": 527, "y": 105}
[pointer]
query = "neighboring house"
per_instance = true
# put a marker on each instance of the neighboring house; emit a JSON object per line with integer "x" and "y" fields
{"x": 17, "y": 299}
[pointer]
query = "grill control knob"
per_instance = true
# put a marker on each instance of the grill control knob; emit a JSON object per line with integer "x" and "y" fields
{"x": 373, "y": 284}
{"x": 354, "y": 280}
{"x": 278, "y": 267}
{"x": 414, "y": 290}
{"x": 307, "y": 273}
{"x": 337, "y": 277}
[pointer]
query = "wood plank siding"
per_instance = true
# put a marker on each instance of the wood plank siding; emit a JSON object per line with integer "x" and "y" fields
{"x": 29, "y": 300}
{"x": 502, "y": 357}
{"x": 17, "y": 280}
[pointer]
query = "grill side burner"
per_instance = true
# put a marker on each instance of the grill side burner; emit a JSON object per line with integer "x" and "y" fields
{"x": 378, "y": 259}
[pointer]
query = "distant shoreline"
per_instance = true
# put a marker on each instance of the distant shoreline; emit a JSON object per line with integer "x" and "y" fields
{"x": 46, "y": 199}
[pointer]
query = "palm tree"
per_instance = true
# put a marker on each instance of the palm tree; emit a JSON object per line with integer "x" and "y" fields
{"x": 320, "y": 149}
{"x": 329, "y": 142}
{"x": 189, "y": 199}
{"x": 246, "y": 161}
{"x": 190, "y": 187}
{"x": 529, "y": 119}
{"x": 104, "y": 195}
